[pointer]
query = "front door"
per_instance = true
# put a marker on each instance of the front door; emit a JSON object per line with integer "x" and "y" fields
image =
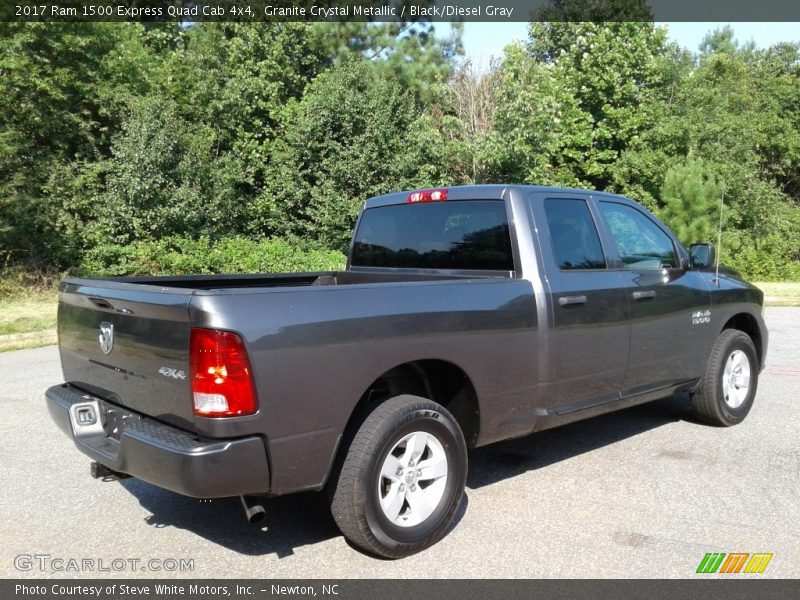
{"x": 669, "y": 304}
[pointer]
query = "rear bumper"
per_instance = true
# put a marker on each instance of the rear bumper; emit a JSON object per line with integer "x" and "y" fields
{"x": 163, "y": 455}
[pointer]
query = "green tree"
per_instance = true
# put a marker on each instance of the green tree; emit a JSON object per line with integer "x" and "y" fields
{"x": 409, "y": 52}
{"x": 163, "y": 135}
{"x": 540, "y": 130}
{"x": 719, "y": 40}
{"x": 60, "y": 88}
{"x": 614, "y": 72}
{"x": 691, "y": 199}
{"x": 237, "y": 79}
{"x": 453, "y": 144}
{"x": 165, "y": 179}
{"x": 598, "y": 11}
{"x": 342, "y": 142}
{"x": 737, "y": 111}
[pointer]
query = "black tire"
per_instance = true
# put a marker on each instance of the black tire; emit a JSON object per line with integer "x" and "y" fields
{"x": 708, "y": 401}
{"x": 355, "y": 502}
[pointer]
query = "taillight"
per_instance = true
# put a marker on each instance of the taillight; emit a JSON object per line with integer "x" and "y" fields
{"x": 222, "y": 381}
{"x": 427, "y": 196}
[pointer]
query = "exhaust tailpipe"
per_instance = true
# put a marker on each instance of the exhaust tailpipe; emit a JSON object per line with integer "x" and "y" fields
{"x": 253, "y": 510}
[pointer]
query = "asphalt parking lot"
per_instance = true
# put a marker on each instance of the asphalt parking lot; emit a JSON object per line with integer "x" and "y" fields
{"x": 645, "y": 492}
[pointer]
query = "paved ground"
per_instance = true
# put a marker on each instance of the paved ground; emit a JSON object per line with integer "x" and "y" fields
{"x": 641, "y": 493}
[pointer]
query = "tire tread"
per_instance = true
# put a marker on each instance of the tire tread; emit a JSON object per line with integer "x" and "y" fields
{"x": 347, "y": 494}
{"x": 705, "y": 401}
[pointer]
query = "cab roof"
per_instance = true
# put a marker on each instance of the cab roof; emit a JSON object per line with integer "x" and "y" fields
{"x": 480, "y": 192}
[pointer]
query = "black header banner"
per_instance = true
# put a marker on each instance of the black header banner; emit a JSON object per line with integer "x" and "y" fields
{"x": 188, "y": 11}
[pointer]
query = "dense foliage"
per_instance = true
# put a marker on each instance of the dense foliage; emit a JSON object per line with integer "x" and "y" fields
{"x": 178, "y": 254}
{"x": 133, "y": 148}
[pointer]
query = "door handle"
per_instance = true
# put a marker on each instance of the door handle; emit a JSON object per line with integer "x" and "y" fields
{"x": 644, "y": 295}
{"x": 565, "y": 300}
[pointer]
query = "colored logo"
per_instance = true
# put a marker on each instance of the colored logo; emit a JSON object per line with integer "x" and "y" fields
{"x": 735, "y": 562}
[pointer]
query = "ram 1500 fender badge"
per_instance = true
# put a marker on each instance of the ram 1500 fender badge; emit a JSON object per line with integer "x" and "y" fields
{"x": 106, "y": 337}
{"x": 701, "y": 316}
{"x": 174, "y": 373}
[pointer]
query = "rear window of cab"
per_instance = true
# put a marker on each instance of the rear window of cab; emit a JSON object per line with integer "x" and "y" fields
{"x": 463, "y": 235}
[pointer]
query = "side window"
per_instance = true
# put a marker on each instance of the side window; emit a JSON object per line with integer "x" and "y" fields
{"x": 576, "y": 244}
{"x": 640, "y": 242}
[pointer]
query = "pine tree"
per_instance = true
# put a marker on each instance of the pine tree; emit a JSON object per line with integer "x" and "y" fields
{"x": 690, "y": 196}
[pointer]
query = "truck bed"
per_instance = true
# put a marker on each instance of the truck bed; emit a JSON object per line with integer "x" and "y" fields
{"x": 265, "y": 280}
{"x": 150, "y": 319}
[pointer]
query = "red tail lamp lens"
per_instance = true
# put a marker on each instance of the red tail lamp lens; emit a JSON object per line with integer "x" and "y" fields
{"x": 222, "y": 380}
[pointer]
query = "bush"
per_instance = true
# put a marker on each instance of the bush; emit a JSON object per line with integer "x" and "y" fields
{"x": 182, "y": 255}
{"x": 343, "y": 142}
{"x": 17, "y": 281}
{"x": 764, "y": 261}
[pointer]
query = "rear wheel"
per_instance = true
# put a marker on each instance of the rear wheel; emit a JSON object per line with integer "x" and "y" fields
{"x": 728, "y": 388}
{"x": 402, "y": 478}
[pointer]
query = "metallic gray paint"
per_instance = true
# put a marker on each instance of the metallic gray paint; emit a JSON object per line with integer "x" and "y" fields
{"x": 317, "y": 341}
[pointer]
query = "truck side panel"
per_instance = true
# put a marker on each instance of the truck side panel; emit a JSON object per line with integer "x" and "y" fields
{"x": 315, "y": 352}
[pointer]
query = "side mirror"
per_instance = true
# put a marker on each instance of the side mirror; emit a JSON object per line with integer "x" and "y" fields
{"x": 701, "y": 256}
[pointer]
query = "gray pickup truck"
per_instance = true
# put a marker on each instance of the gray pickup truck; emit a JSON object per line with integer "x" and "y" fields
{"x": 465, "y": 316}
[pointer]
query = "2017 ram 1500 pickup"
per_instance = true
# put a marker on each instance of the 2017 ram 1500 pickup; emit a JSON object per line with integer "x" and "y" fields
{"x": 465, "y": 316}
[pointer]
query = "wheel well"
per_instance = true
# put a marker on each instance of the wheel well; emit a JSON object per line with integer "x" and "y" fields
{"x": 437, "y": 380}
{"x": 749, "y": 325}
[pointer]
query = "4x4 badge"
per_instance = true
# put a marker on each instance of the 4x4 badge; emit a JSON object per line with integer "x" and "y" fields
{"x": 106, "y": 337}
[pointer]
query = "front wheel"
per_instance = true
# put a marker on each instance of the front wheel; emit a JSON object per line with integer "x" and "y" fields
{"x": 727, "y": 390}
{"x": 402, "y": 478}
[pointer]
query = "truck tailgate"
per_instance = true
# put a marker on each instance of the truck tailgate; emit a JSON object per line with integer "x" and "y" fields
{"x": 128, "y": 344}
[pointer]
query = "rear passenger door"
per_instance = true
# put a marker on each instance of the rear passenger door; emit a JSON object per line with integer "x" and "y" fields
{"x": 589, "y": 334}
{"x": 668, "y": 302}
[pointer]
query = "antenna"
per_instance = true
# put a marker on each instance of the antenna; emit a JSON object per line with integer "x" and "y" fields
{"x": 719, "y": 234}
